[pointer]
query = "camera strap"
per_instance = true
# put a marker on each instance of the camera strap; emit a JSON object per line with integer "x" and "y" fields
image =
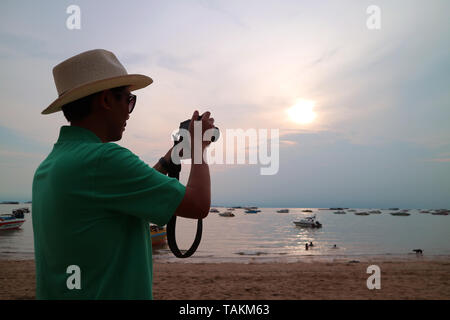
{"x": 171, "y": 230}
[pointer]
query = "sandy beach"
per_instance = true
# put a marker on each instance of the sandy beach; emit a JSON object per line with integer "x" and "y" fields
{"x": 407, "y": 279}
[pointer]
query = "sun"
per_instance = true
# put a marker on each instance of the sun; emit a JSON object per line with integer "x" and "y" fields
{"x": 302, "y": 112}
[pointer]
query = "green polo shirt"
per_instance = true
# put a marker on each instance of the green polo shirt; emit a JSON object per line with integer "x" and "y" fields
{"x": 91, "y": 208}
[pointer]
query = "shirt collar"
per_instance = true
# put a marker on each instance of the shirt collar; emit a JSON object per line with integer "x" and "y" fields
{"x": 74, "y": 133}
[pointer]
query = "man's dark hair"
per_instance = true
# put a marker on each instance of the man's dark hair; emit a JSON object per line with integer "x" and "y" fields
{"x": 79, "y": 109}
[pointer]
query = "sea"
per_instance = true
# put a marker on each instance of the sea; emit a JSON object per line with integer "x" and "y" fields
{"x": 269, "y": 236}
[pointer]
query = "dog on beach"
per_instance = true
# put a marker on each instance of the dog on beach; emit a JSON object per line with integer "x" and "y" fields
{"x": 418, "y": 251}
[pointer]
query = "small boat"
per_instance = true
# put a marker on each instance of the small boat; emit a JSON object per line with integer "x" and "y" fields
{"x": 158, "y": 235}
{"x": 20, "y": 211}
{"x": 306, "y": 210}
{"x": 424, "y": 211}
{"x": 375, "y": 211}
{"x": 214, "y": 210}
{"x": 402, "y": 214}
{"x": 226, "y": 214}
{"x": 308, "y": 222}
{"x": 441, "y": 212}
{"x": 12, "y": 221}
{"x": 252, "y": 211}
{"x": 231, "y": 209}
{"x": 362, "y": 213}
{"x": 352, "y": 210}
{"x": 339, "y": 212}
{"x": 393, "y": 209}
{"x": 283, "y": 211}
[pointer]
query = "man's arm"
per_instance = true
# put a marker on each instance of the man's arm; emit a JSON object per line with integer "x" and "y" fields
{"x": 197, "y": 198}
{"x": 159, "y": 167}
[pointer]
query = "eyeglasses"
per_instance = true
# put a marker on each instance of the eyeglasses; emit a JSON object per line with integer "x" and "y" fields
{"x": 131, "y": 102}
{"x": 131, "y": 99}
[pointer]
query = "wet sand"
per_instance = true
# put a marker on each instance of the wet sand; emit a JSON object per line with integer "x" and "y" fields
{"x": 407, "y": 279}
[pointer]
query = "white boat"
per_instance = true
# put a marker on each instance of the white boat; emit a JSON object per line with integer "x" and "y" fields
{"x": 12, "y": 224}
{"x": 12, "y": 221}
{"x": 213, "y": 210}
{"x": 226, "y": 214}
{"x": 283, "y": 211}
{"x": 308, "y": 222}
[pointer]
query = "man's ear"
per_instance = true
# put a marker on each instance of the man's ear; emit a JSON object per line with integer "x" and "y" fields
{"x": 103, "y": 99}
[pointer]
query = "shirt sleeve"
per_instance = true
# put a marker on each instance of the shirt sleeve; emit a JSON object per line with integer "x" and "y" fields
{"x": 127, "y": 185}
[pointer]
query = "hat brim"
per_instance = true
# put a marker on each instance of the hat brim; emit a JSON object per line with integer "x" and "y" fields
{"x": 133, "y": 81}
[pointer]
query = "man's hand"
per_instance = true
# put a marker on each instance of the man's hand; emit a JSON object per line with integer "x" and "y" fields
{"x": 207, "y": 123}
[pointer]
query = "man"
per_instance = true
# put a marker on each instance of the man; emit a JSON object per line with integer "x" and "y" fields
{"x": 93, "y": 200}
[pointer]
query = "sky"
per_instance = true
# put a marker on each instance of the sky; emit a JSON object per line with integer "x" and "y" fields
{"x": 378, "y": 133}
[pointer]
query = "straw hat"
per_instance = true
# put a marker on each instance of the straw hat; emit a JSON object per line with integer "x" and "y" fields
{"x": 90, "y": 72}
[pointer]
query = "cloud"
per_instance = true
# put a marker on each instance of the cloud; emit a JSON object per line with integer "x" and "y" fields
{"x": 16, "y": 46}
{"x": 288, "y": 142}
{"x": 14, "y": 142}
{"x": 439, "y": 160}
{"x": 215, "y": 6}
{"x": 15, "y": 154}
{"x": 325, "y": 57}
{"x": 133, "y": 58}
{"x": 173, "y": 62}
{"x": 382, "y": 98}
